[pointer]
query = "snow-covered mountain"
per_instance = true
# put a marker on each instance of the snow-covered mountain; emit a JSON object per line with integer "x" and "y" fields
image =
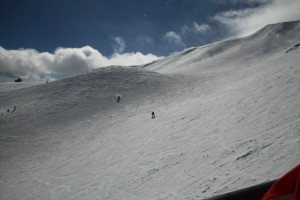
{"x": 232, "y": 55}
{"x": 227, "y": 117}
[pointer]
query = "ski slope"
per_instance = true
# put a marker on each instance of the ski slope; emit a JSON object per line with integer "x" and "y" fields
{"x": 8, "y": 86}
{"x": 227, "y": 117}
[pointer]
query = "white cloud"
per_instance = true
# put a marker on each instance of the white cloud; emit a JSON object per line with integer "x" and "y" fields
{"x": 119, "y": 45}
{"x": 31, "y": 64}
{"x": 174, "y": 39}
{"x": 241, "y": 1}
{"x": 128, "y": 59}
{"x": 203, "y": 28}
{"x": 246, "y": 21}
{"x": 195, "y": 29}
{"x": 185, "y": 29}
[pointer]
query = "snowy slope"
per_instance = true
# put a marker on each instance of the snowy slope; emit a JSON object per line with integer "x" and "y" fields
{"x": 236, "y": 54}
{"x": 227, "y": 117}
{"x": 7, "y": 86}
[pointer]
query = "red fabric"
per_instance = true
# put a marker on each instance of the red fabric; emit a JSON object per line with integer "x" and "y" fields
{"x": 286, "y": 187}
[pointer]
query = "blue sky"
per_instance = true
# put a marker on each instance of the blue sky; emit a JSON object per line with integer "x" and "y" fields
{"x": 142, "y": 24}
{"x": 136, "y": 31}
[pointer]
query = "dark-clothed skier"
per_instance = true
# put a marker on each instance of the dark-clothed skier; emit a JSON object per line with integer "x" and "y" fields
{"x": 153, "y": 115}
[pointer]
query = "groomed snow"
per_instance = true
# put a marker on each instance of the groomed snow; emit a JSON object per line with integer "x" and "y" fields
{"x": 227, "y": 117}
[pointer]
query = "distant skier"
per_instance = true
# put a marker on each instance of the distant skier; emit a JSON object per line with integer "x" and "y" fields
{"x": 15, "y": 107}
{"x": 153, "y": 115}
{"x": 118, "y": 99}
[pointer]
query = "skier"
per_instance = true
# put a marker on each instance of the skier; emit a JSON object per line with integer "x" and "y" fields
{"x": 15, "y": 107}
{"x": 153, "y": 115}
{"x": 118, "y": 99}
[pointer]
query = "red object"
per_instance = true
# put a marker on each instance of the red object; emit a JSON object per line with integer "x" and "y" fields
{"x": 286, "y": 188}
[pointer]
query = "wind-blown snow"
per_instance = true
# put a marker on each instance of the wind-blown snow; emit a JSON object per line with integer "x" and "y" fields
{"x": 227, "y": 117}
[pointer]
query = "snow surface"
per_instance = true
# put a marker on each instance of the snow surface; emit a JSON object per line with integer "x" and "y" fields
{"x": 227, "y": 117}
{"x": 8, "y": 86}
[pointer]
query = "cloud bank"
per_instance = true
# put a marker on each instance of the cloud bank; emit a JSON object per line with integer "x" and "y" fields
{"x": 30, "y": 64}
{"x": 248, "y": 20}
